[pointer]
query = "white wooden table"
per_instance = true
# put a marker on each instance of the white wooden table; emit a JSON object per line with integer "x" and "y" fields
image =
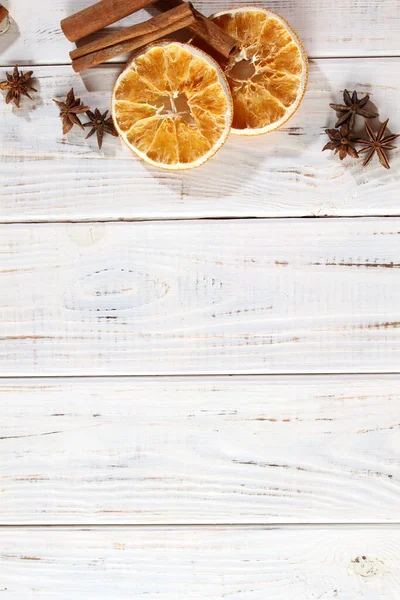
{"x": 199, "y": 389}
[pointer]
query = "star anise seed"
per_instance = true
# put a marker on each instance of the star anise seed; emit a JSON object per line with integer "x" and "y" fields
{"x": 377, "y": 143}
{"x": 100, "y": 125}
{"x": 341, "y": 142}
{"x": 17, "y": 85}
{"x": 352, "y": 106}
{"x": 69, "y": 111}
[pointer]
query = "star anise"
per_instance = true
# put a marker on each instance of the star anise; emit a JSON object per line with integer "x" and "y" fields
{"x": 352, "y": 106}
{"x": 100, "y": 125}
{"x": 69, "y": 111}
{"x": 341, "y": 142}
{"x": 377, "y": 143}
{"x": 17, "y": 85}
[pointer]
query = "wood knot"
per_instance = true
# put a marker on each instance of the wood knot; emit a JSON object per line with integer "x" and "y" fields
{"x": 367, "y": 567}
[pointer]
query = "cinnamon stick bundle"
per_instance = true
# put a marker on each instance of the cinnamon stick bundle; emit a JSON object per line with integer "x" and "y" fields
{"x": 99, "y": 15}
{"x": 133, "y": 37}
{"x": 105, "y": 12}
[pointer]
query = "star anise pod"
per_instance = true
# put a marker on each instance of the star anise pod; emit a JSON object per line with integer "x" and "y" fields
{"x": 17, "y": 85}
{"x": 341, "y": 142}
{"x": 352, "y": 106}
{"x": 377, "y": 143}
{"x": 100, "y": 125}
{"x": 69, "y": 111}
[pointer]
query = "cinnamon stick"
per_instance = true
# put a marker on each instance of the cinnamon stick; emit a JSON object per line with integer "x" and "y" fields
{"x": 99, "y": 15}
{"x": 3, "y": 13}
{"x": 129, "y": 33}
{"x": 166, "y": 23}
{"x": 205, "y": 29}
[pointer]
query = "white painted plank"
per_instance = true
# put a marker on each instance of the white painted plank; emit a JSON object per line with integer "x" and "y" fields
{"x": 47, "y": 177}
{"x": 349, "y": 28}
{"x": 200, "y": 450}
{"x": 252, "y": 296}
{"x": 327, "y": 563}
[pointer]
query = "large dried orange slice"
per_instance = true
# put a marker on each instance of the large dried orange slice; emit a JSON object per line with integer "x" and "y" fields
{"x": 268, "y": 75}
{"x": 172, "y": 105}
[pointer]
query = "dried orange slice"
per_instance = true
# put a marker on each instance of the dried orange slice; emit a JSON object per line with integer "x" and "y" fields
{"x": 172, "y": 105}
{"x": 268, "y": 76}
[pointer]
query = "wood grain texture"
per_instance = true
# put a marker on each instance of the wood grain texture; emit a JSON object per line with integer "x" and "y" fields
{"x": 370, "y": 28}
{"x": 45, "y": 176}
{"x": 200, "y": 297}
{"x": 346, "y": 563}
{"x": 252, "y": 296}
{"x": 200, "y": 450}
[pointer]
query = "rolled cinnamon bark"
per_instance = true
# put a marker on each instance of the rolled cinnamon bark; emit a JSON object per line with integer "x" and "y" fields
{"x": 99, "y": 15}
{"x": 205, "y": 29}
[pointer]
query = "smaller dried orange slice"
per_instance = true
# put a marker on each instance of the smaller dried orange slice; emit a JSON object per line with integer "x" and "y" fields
{"x": 172, "y": 105}
{"x": 268, "y": 76}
